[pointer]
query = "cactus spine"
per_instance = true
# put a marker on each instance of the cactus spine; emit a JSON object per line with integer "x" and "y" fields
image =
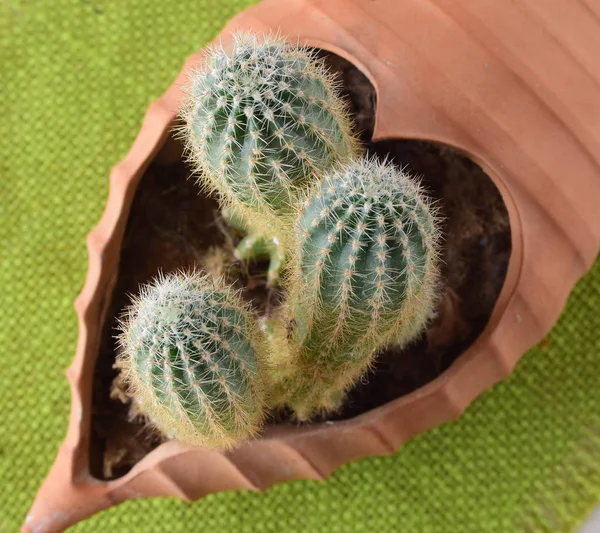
{"x": 262, "y": 122}
{"x": 193, "y": 358}
{"x": 365, "y": 276}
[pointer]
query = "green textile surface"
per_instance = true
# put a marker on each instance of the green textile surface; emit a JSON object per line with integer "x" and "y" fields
{"x": 76, "y": 79}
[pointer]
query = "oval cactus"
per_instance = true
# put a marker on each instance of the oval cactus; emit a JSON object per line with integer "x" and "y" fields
{"x": 262, "y": 120}
{"x": 365, "y": 276}
{"x": 192, "y": 356}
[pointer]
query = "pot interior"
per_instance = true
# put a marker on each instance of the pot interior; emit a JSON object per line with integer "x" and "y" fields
{"x": 171, "y": 226}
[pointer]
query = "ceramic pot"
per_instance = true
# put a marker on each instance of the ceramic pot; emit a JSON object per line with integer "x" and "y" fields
{"x": 524, "y": 105}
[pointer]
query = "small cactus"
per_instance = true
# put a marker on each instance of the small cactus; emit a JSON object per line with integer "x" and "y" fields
{"x": 192, "y": 356}
{"x": 262, "y": 122}
{"x": 256, "y": 248}
{"x": 365, "y": 276}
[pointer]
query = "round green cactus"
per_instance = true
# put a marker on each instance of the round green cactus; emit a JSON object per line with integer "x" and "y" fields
{"x": 365, "y": 277}
{"x": 192, "y": 356}
{"x": 262, "y": 122}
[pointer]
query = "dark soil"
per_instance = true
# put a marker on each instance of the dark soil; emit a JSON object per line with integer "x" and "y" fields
{"x": 171, "y": 226}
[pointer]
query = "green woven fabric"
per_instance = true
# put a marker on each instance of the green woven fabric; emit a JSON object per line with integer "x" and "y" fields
{"x": 76, "y": 78}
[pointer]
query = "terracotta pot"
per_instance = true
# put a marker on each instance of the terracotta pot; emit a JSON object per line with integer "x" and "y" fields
{"x": 524, "y": 105}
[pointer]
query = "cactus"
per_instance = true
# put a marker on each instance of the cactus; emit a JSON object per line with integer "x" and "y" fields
{"x": 252, "y": 247}
{"x": 365, "y": 276}
{"x": 192, "y": 356}
{"x": 262, "y": 122}
{"x": 271, "y": 137}
{"x": 255, "y": 248}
